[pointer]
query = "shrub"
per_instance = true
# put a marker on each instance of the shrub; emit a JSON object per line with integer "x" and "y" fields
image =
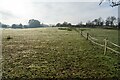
{"x": 68, "y": 29}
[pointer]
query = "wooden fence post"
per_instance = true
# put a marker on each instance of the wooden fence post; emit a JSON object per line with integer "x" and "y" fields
{"x": 105, "y": 46}
{"x": 81, "y": 32}
{"x": 87, "y": 36}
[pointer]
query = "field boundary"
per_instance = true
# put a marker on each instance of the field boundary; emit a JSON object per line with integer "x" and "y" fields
{"x": 105, "y": 41}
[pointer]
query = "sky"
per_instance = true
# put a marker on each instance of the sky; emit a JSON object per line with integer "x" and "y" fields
{"x": 53, "y": 11}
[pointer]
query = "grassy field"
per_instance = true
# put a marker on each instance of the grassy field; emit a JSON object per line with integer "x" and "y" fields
{"x": 101, "y": 34}
{"x": 54, "y": 53}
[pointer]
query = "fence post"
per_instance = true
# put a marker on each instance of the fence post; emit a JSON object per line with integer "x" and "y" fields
{"x": 81, "y": 32}
{"x": 105, "y": 46}
{"x": 87, "y": 36}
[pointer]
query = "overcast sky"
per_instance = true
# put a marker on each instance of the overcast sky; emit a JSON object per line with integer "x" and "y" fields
{"x": 54, "y": 11}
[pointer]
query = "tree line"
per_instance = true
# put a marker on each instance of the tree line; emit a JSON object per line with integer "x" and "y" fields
{"x": 32, "y": 23}
{"x": 111, "y": 22}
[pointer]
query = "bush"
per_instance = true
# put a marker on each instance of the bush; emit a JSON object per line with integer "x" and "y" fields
{"x": 68, "y": 29}
{"x": 83, "y": 29}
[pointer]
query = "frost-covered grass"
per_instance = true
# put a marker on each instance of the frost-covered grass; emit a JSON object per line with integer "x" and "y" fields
{"x": 54, "y": 53}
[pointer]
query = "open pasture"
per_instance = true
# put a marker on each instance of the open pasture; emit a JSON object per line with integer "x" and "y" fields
{"x": 54, "y": 53}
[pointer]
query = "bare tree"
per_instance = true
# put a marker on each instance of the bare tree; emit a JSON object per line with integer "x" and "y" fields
{"x": 112, "y": 3}
{"x": 113, "y": 19}
{"x": 98, "y": 22}
{"x": 110, "y": 21}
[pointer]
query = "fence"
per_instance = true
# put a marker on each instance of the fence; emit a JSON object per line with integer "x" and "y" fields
{"x": 105, "y": 45}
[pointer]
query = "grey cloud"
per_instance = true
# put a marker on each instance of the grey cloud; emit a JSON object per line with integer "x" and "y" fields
{"x": 74, "y": 12}
{"x": 7, "y": 15}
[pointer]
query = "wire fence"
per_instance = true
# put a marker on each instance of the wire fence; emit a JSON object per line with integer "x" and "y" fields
{"x": 97, "y": 42}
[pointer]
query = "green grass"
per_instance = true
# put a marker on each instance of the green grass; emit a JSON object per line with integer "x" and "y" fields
{"x": 54, "y": 53}
{"x": 101, "y": 34}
